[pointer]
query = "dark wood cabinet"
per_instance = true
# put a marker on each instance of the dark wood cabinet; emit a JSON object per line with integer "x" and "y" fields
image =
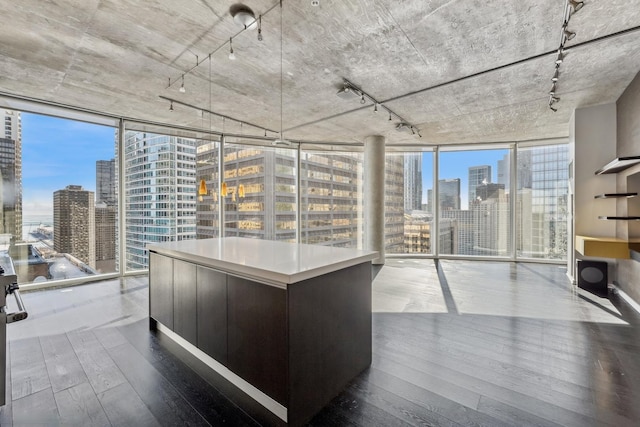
{"x": 258, "y": 335}
{"x": 161, "y": 293}
{"x": 212, "y": 313}
{"x": 184, "y": 300}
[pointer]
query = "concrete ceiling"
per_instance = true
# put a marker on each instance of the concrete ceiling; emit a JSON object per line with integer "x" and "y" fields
{"x": 460, "y": 71}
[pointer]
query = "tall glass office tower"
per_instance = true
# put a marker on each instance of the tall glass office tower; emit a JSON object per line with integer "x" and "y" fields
{"x": 11, "y": 171}
{"x": 160, "y": 192}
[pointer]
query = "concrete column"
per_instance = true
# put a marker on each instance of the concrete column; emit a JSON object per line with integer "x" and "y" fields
{"x": 374, "y": 163}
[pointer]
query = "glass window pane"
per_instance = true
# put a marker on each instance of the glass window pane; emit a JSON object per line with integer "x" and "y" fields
{"x": 260, "y": 200}
{"x": 160, "y": 192}
{"x": 542, "y": 202}
{"x": 408, "y": 216}
{"x": 474, "y": 203}
{"x": 331, "y": 198}
{"x": 58, "y": 197}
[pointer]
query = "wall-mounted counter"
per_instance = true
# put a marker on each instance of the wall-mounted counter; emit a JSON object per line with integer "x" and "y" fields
{"x": 288, "y": 324}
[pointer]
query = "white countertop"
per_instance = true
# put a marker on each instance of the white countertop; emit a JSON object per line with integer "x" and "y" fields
{"x": 266, "y": 261}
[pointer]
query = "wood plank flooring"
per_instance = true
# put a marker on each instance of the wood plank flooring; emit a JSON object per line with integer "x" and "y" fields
{"x": 454, "y": 343}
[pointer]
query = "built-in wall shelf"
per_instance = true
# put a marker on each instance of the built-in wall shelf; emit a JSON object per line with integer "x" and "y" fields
{"x": 604, "y": 247}
{"x": 620, "y": 218}
{"x": 615, "y": 195}
{"x": 619, "y": 164}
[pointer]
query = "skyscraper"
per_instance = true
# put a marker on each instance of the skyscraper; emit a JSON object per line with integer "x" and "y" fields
{"x": 74, "y": 223}
{"x": 160, "y": 183}
{"x": 106, "y": 215}
{"x": 412, "y": 181}
{"x": 478, "y": 175}
{"x": 449, "y": 192}
{"x": 106, "y": 182}
{"x": 11, "y": 174}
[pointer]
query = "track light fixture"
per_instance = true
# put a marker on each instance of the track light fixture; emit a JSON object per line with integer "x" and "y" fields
{"x": 402, "y": 126}
{"x": 567, "y": 34}
{"x": 571, "y": 7}
{"x": 171, "y": 106}
{"x": 260, "y": 28}
{"x": 182, "y": 89}
{"x": 576, "y": 5}
{"x": 232, "y": 56}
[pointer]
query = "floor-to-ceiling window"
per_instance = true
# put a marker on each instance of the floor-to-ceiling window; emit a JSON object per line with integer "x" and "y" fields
{"x": 160, "y": 192}
{"x": 542, "y": 186}
{"x": 408, "y": 206}
{"x": 259, "y": 191}
{"x": 474, "y": 208}
{"x": 331, "y": 197}
{"x": 58, "y": 199}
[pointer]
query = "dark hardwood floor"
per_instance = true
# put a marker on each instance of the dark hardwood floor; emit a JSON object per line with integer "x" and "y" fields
{"x": 454, "y": 343}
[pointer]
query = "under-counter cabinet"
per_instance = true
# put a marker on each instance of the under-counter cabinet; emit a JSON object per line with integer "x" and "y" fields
{"x": 289, "y": 325}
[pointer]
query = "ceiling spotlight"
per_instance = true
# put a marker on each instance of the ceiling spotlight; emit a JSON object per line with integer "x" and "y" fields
{"x": 243, "y": 16}
{"x": 171, "y": 106}
{"x": 389, "y": 116}
{"x": 232, "y": 56}
{"x": 362, "y": 101}
{"x": 556, "y": 75}
{"x": 560, "y": 56}
{"x": 567, "y": 33}
{"x": 553, "y": 108}
{"x": 553, "y": 90}
{"x": 260, "y": 28}
{"x": 346, "y": 92}
{"x": 315, "y": 2}
{"x": 182, "y": 89}
{"x": 576, "y": 5}
{"x": 375, "y": 107}
{"x": 553, "y": 99}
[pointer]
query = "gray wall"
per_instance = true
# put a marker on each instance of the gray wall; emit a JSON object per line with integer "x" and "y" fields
{"x": 628, "y": 123}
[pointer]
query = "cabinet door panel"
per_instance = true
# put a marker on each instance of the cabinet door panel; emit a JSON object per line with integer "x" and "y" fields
{"x": 212, "y": 313}
{"x": 161, "y": 289}
{"x": 257, "y": 335}
{"x": 184, "y": 300}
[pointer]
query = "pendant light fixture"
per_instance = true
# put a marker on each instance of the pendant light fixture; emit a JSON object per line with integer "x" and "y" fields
{"x": 281, "y": 140}
{"x": 202, "y": 190}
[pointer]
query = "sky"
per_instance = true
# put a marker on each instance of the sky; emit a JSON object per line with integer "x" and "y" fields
{"x": 455, "y": 164}
{"x": 56, "y": 153}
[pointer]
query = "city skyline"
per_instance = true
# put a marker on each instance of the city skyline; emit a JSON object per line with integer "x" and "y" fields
{"x": 56, "y": 153}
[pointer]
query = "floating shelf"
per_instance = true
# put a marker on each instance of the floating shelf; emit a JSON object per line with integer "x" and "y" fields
{"x": 604, "y": 247}
{"x": 620, "y": 218}
{"x": 614, "y": 195}
{"x": 619, "y": 164}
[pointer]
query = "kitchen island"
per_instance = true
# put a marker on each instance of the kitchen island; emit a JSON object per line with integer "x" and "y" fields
{"x": 289, "y": 325}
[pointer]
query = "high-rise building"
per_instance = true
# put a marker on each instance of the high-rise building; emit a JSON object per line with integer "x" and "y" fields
{"x": 523, "y": 170}
{"x": 106, "y": 215}
{"x": 478, "y": 175}
{"x": 449, "y": 192}
{"x": 330, "y": 210}
{"x": 11, "y": 174}
{"x": 412, "y": 181}
{"x": 394, "y": 203}
{"x": 74, "y": 223}
{"x": 160, "y": 199}
{"x": 106, "y": 182}
{"x": 546, "y": 204}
